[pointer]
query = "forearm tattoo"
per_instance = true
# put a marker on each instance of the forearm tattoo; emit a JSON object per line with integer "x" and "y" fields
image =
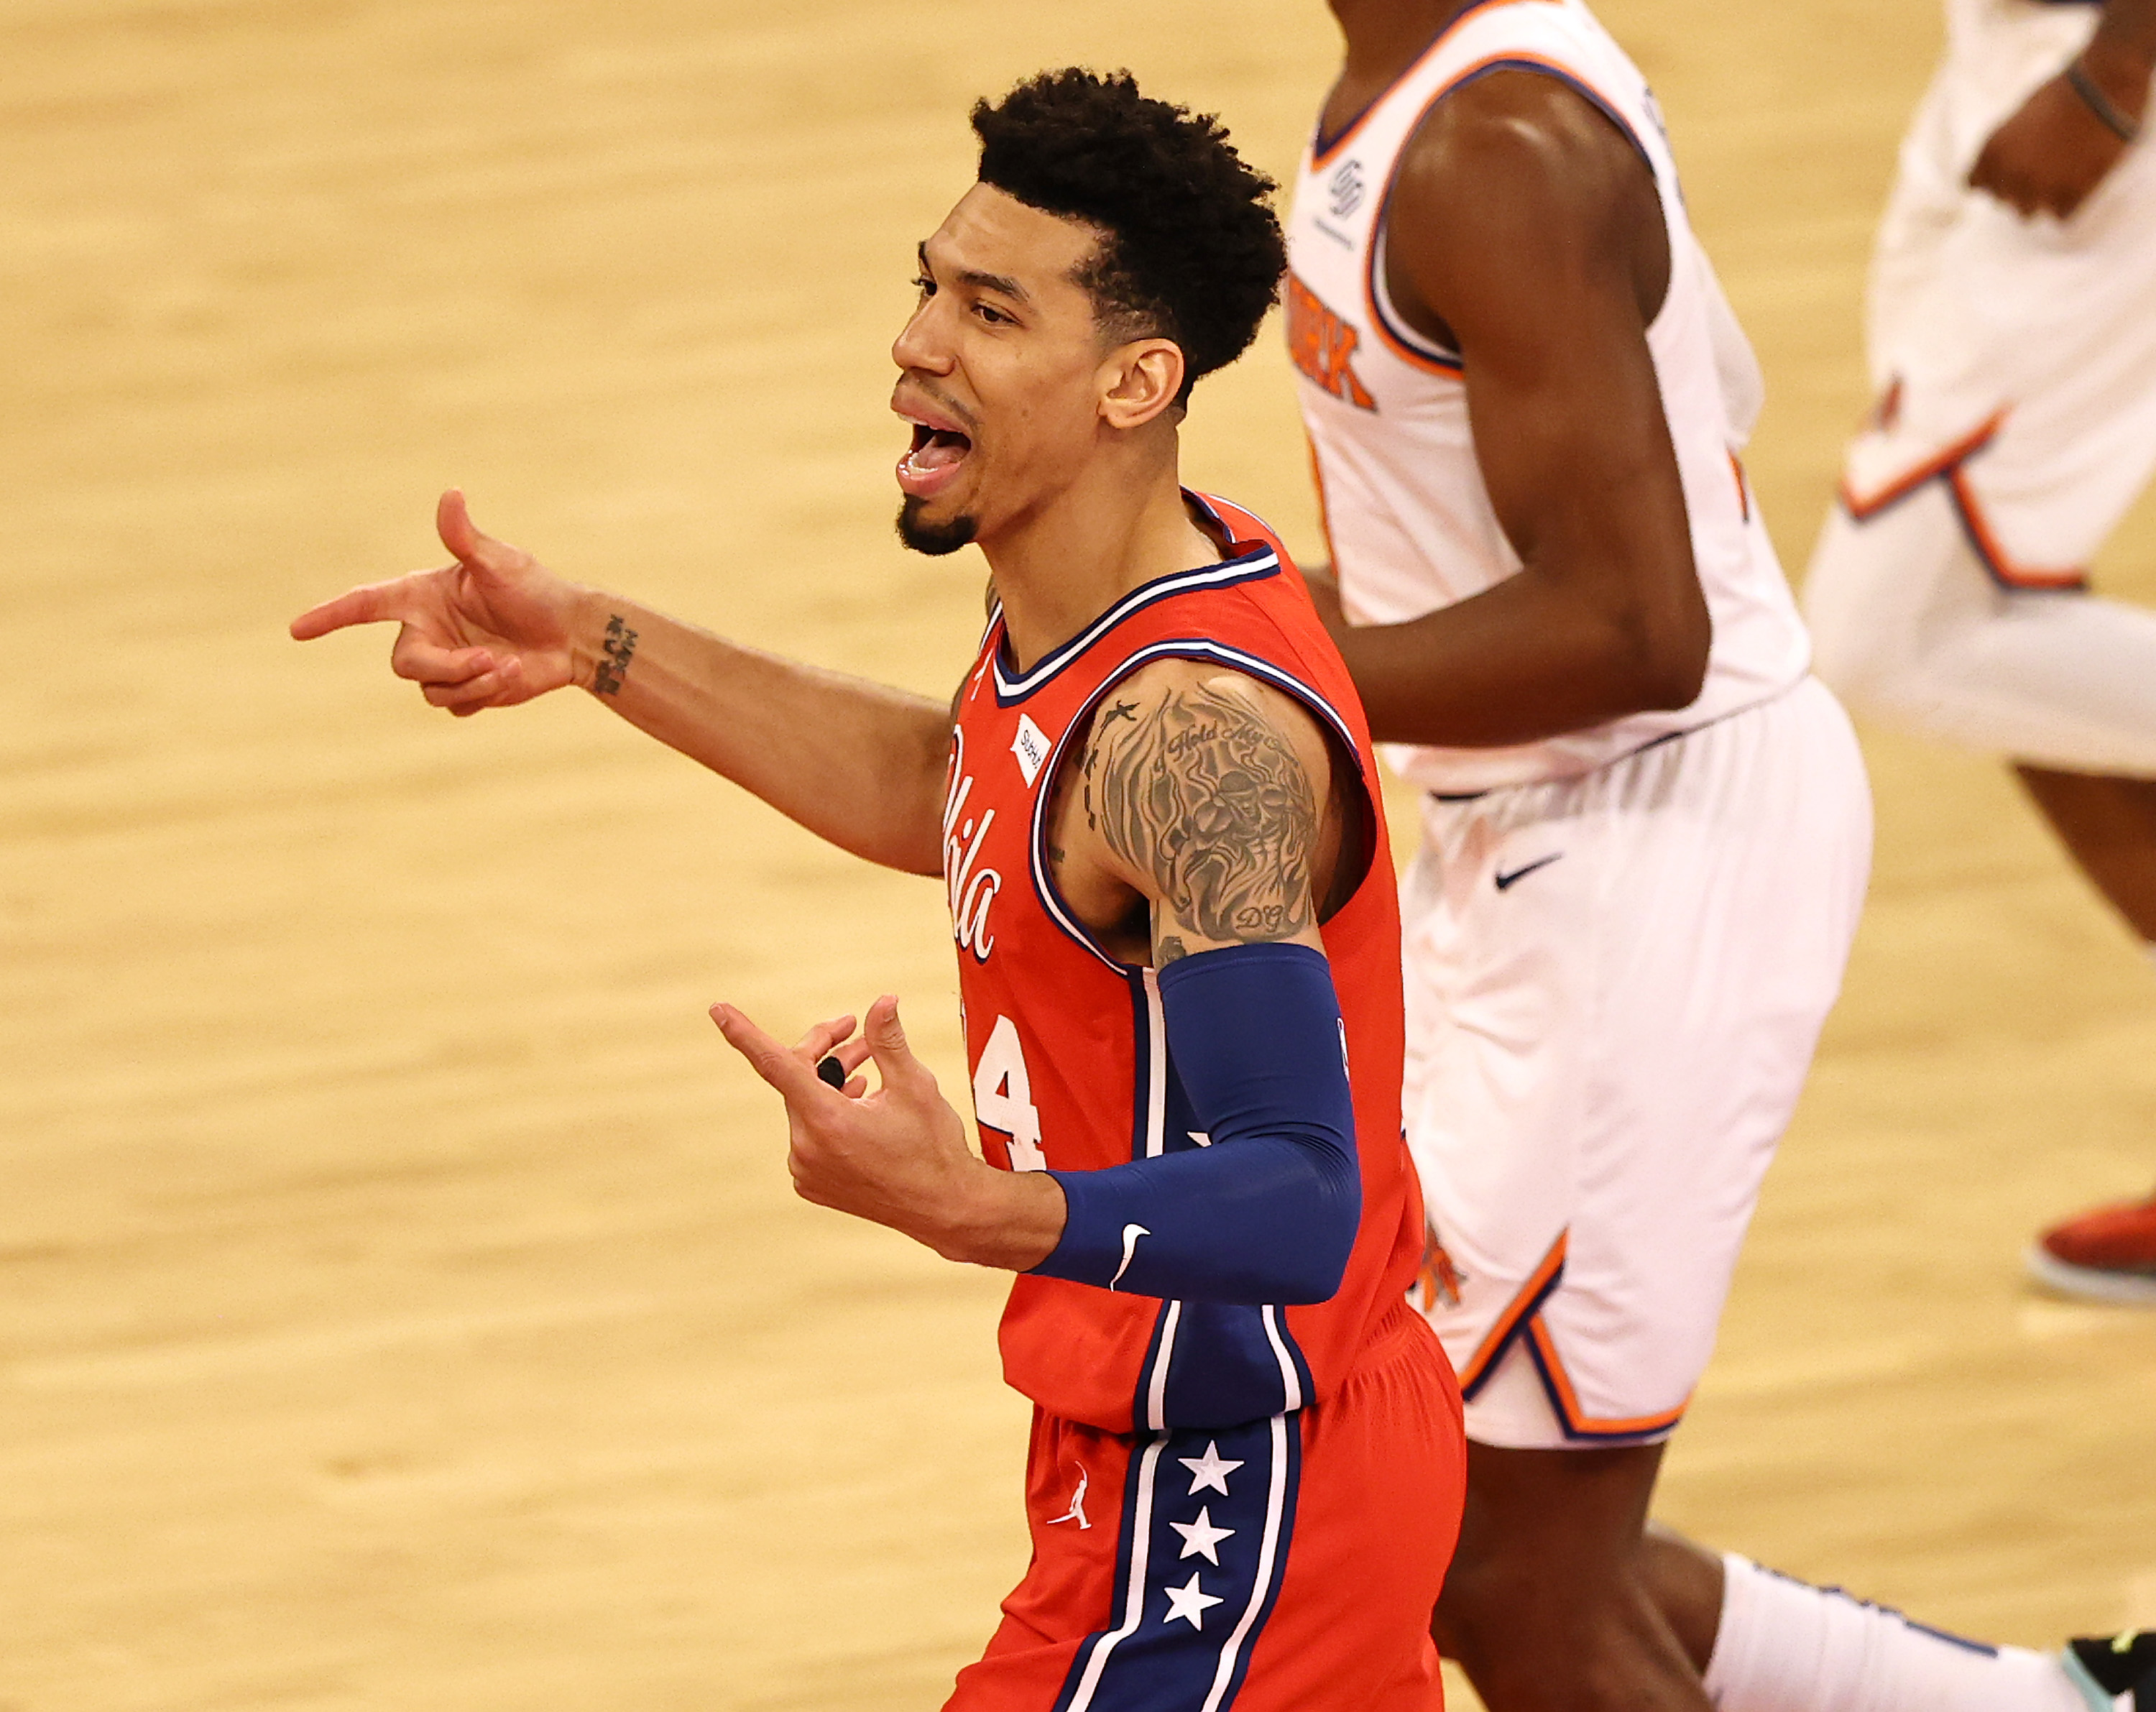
{"x": 614, "y": 656}
{"x": 1206, "y": 798}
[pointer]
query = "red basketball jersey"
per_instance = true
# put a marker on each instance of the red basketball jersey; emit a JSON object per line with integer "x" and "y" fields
{"x": 1066, "y": 1045}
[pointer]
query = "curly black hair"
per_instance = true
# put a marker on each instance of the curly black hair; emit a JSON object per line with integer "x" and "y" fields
{"x": 1191, "y": 249}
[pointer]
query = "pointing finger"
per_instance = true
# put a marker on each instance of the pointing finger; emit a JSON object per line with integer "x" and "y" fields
{"x": 783, "y": 1070}
{"x": 374, "y": 603}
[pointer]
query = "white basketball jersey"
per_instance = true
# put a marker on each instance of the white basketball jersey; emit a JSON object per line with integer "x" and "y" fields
{"x": 1410, "y": 523}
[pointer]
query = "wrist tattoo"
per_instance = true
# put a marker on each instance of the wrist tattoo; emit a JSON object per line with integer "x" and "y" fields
{"x": 614, "y": 655}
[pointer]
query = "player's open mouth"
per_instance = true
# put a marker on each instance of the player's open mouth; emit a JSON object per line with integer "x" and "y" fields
{"x": 939, "y": 448}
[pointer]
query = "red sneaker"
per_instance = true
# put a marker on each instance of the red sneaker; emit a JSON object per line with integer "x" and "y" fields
{"x": 2107, "y": 1254}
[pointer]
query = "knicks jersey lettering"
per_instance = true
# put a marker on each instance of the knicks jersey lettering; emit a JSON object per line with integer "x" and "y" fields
{"x": 1323, "y": 346}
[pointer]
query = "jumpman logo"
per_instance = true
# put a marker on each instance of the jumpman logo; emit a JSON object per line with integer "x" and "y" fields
{"x": 1130, "y": 1235}
{"x": 1076, "y": 1513}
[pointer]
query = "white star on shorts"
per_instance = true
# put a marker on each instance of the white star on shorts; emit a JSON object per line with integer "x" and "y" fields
{"x": 1210, "y": 1471}
{"x": 1201, "y": 1536}
{"x": 1190, "y": 1602}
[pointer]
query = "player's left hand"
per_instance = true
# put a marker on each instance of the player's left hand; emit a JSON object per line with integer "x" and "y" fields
{"x": 897, "y": 1155}
{"x": 2051, "y": 155}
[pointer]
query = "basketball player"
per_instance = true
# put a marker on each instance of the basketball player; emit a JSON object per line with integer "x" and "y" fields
{"x": 1645, "y": 831}
{"x": 2012, "y": 339}
{"x": 1153, "y": 806}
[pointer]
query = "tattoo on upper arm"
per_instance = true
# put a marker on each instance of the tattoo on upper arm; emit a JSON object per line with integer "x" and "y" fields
{"x": 1205, "y": 796}
{"x": 614, "y": 655}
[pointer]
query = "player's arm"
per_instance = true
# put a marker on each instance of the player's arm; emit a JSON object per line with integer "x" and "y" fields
{"x": 2067, "y": 137}
{"x": 1525, "y": 231}
{"x": 1206, "y": 798}
{"x": 1210, "y": 798}
{"x": 855, "y": 762}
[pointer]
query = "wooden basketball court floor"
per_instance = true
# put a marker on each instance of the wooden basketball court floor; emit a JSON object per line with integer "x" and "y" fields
{"x": 402, "y": 1301}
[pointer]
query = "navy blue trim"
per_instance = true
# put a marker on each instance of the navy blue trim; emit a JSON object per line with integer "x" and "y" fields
{"x": 1125, "y": 1542}
{"x": 1947, "y": 474}
{"x": 1542, "y": 68}
{"x": 1262, "y": 562}
{"x": 1142, "y": 1057}
{"x": 1142, "y": 1400}
{"x": 1579, "y": 1435}
{"x": 1468, "y": 1393}
{"x": 1148, "y": 1659}
{"x": 1420, "y": 343}
{"x": 1284, "y": 1545}
{"x": 1972, "y": 532}
{"x": 1251, "y": 666}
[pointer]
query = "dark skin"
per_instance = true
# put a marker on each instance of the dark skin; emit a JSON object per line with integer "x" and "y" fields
{"x": 1525, "y": 232}
{"x": 2053, "y": 153}
{"x": 2049, "y": 158}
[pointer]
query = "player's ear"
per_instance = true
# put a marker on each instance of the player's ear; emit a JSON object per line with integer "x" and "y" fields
{"x": 1139, "y": 381}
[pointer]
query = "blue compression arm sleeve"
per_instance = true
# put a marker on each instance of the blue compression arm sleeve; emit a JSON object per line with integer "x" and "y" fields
{"x": 1269, "y": 1212}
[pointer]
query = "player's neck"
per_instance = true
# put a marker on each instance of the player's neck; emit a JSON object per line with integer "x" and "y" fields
{"x": 1111, "y": 531}
{"x": 1384, "y": 36}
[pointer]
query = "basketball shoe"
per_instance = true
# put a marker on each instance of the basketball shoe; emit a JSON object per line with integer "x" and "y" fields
{"x": 2107, "y": 1254}
{"x": 2118, "y": 1674}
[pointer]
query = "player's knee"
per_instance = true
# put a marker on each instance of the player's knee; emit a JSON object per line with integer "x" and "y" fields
{"x": 1538, "y": 1649}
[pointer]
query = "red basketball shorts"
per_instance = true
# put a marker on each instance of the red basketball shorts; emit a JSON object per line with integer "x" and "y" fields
{"x": 1282, "y": 1565}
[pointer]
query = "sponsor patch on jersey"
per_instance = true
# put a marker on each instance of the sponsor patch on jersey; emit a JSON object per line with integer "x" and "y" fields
{"x": 1030, "y": 746}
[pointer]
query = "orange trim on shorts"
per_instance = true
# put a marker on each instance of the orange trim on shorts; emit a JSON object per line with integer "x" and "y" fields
{"x": 1744, "y": 487}
{"x": 1577, "y": 1422}
{"x": 1525, "y": 1304}
{"x": 1948, "y": 466}
{"x": 1995, "y": 560}
{"x": 1865, "y": 510}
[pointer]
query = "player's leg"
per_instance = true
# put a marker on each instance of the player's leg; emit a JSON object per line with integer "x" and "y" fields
{"x": 1549, "y": 1604}
{"x": 2108, "y": 825}
{"x": 1606, "y": 1053}
{"x": 1269, "y": 1566}
{"x": 1908, "y": 624}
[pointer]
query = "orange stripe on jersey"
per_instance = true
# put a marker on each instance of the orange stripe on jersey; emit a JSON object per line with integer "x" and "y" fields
{"x": 1322, "y": 152}
{"x": 1324, "y": 511}
{"x": 1524, "y": 1303}
{"x": 1451, "y": 368}
{"x": 1577, "y": 1422}
{"x": 1744, "y": 487}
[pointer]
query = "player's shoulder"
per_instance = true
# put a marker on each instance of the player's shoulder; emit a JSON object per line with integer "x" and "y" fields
{"x": 1183, "y": 709}
{"x": 1519, "y": 132}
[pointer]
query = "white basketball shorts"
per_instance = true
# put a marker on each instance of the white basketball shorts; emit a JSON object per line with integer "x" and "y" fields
{"x": 1614, "y": 985}
{"x": 2014, "y": 359}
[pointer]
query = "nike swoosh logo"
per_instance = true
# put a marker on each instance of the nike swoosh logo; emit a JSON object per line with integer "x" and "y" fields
{"x": 1130, "y": 1235}
{"x": 1506, "y": 881}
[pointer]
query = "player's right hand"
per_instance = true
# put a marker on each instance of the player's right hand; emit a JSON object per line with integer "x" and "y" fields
{"x": 2050, "y": 156}
{"x": 493, "y": 629}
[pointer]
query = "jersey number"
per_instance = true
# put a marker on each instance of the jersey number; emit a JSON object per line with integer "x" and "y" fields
{"x": 1003, "y": 1096}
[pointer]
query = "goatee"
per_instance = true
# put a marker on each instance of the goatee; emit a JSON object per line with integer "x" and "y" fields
{"x": 934, "y": 539}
